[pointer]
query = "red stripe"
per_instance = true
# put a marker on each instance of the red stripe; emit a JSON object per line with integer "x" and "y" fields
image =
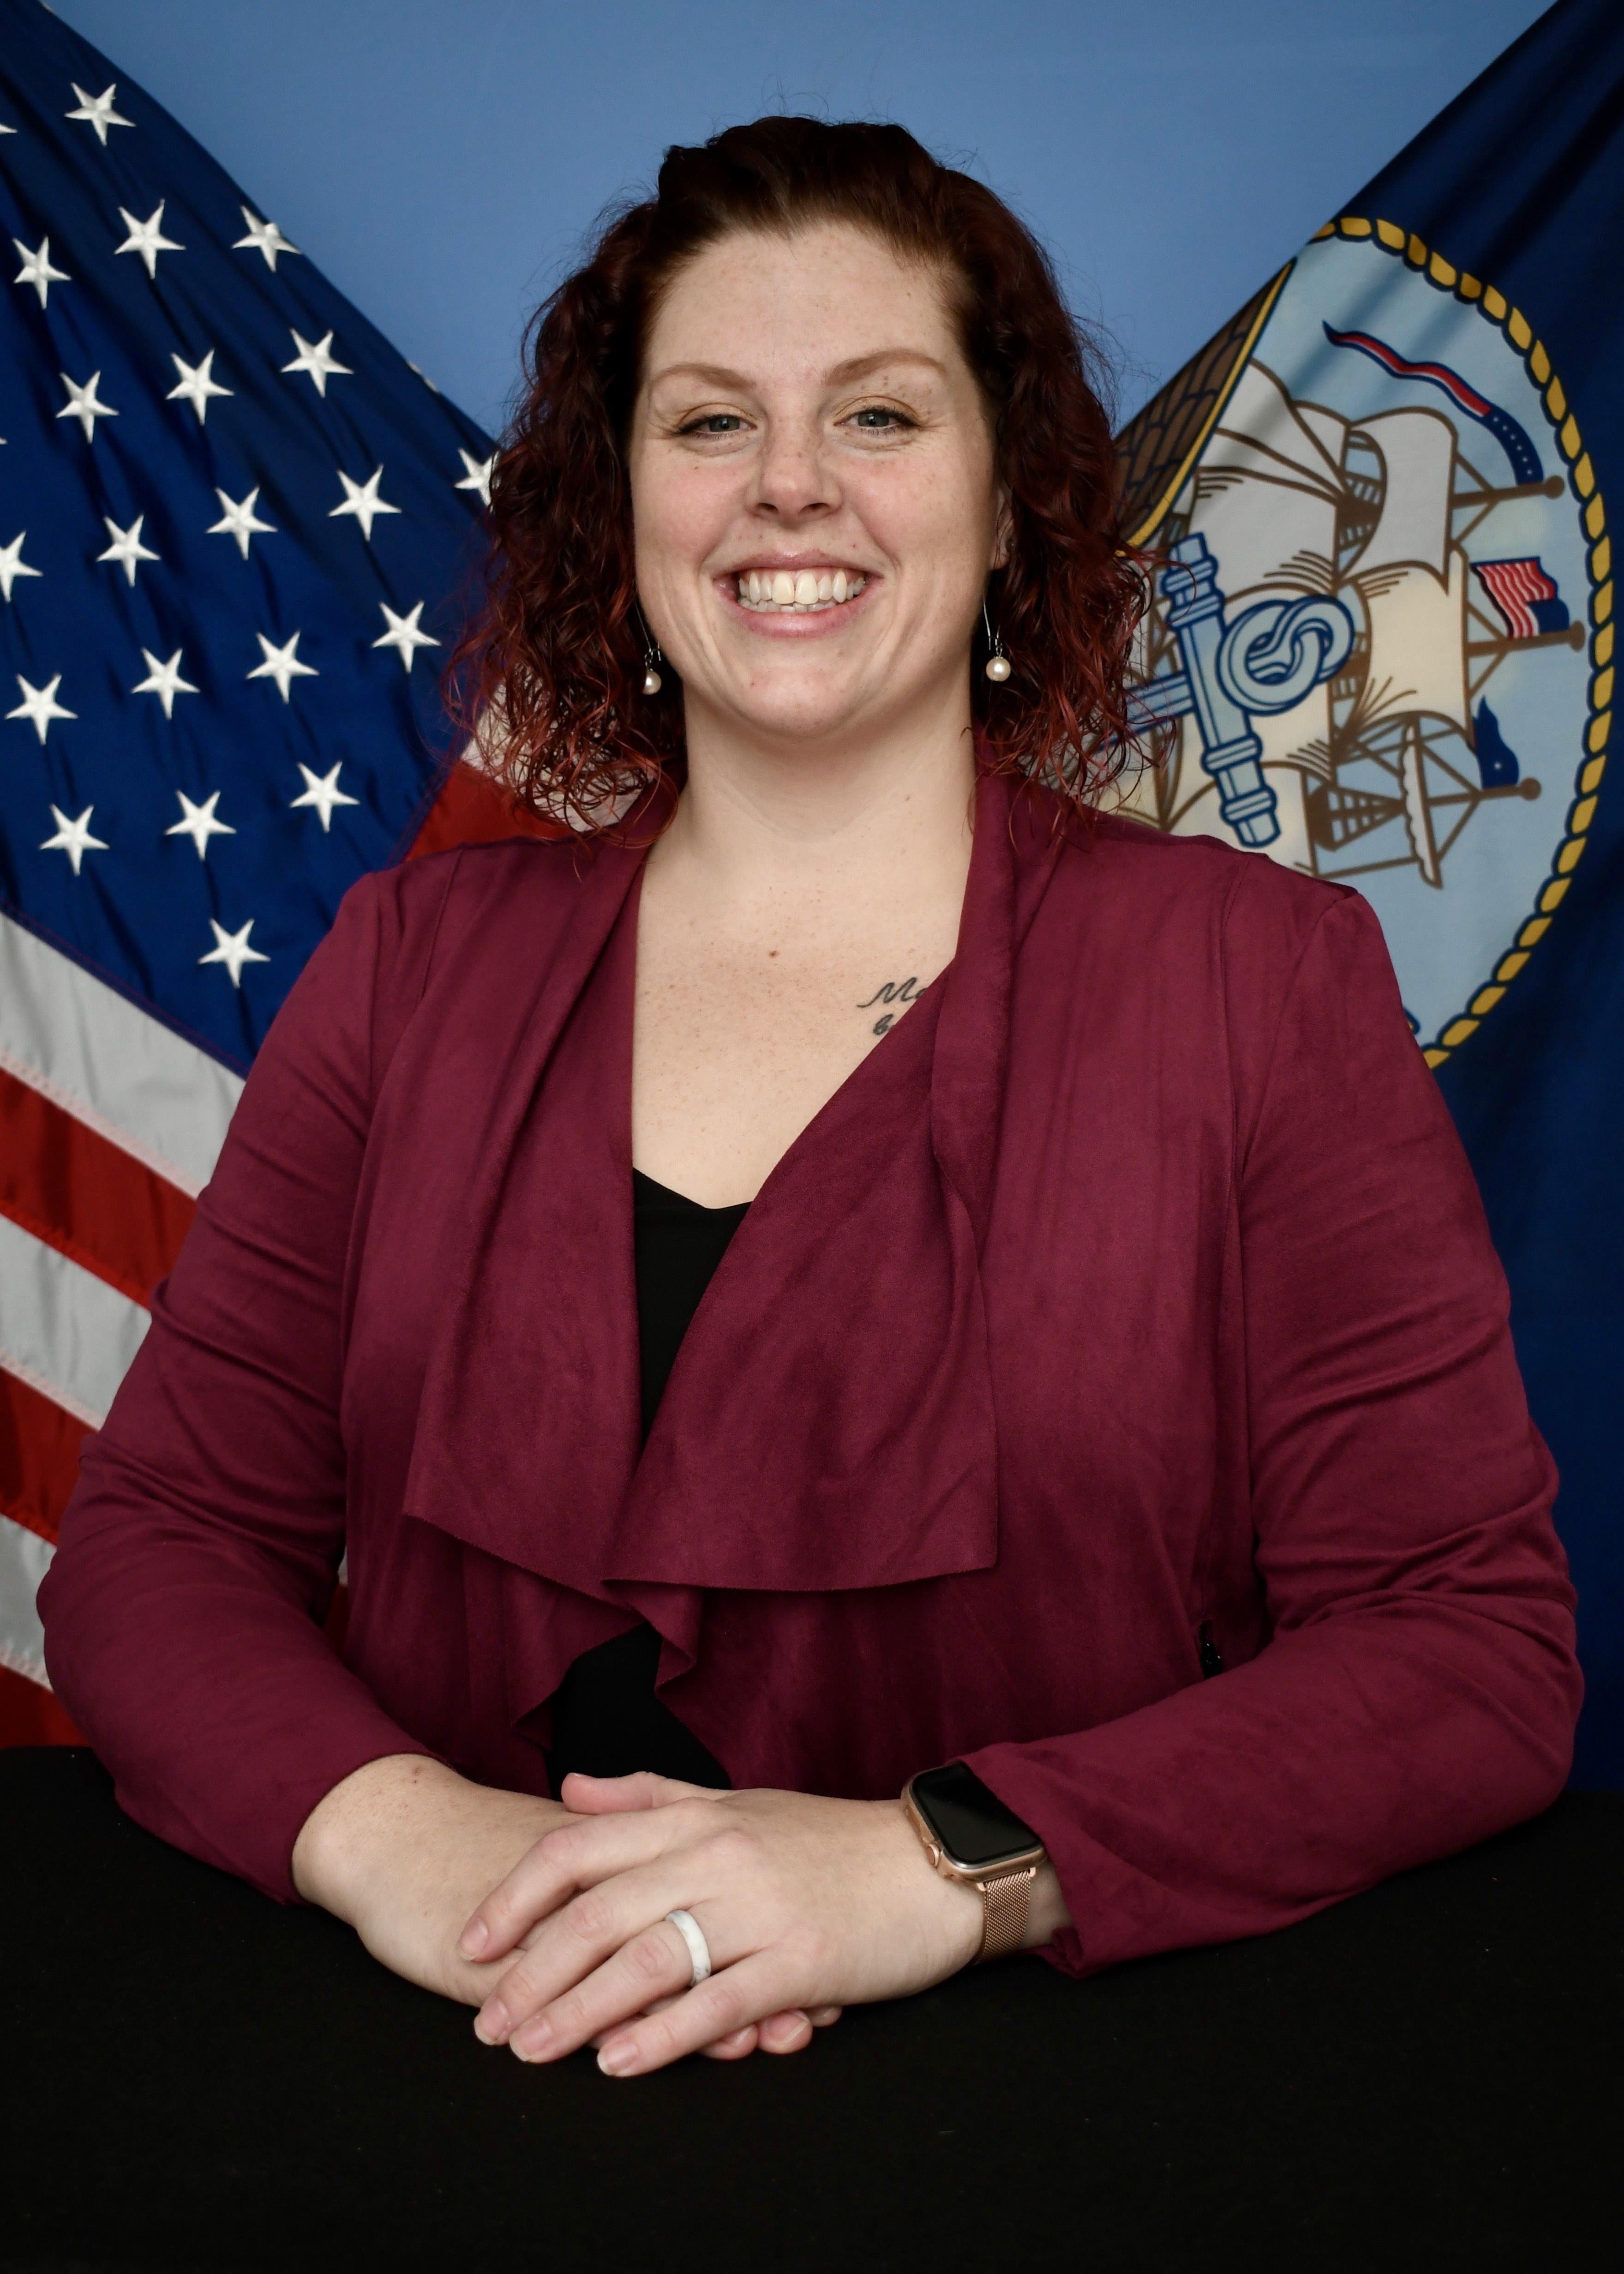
{"x": 1468, "y": 398}
{"x": 30, "y": 1716}
{"x": 1506, "y": 583}
{"x": 471, "y": 811}
{"x": 39, "y": 1456}
{"x": 84, "y": 1195}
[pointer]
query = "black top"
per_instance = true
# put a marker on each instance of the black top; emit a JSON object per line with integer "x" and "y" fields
{"x": 606, "y": 1719}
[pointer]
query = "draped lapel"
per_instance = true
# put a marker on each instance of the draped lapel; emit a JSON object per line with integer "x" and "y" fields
{"x": 526, "y": 1425}
{"x": 829, "y": 1421}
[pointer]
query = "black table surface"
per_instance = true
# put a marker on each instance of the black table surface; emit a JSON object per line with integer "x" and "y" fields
{"x": 1425, "y": 2076}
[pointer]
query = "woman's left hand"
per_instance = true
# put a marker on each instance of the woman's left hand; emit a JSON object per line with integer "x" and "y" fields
{"x": 806, "y": 1903}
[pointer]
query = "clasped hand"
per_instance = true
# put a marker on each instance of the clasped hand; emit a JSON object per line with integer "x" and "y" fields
{"x": 806, "y": 1905}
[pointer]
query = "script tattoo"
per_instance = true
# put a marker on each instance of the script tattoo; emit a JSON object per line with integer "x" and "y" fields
{"x": 893, "y": 990}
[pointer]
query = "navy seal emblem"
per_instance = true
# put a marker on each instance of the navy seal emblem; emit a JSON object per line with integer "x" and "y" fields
{"x": 1380, "y": 648}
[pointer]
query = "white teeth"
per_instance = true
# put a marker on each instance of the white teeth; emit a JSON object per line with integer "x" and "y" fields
{"x": 802, "y": 588}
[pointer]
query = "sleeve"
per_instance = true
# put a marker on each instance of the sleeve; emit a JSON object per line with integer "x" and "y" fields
{"x": 199, "y": 1550}
{"x": 1419, "y": 1687}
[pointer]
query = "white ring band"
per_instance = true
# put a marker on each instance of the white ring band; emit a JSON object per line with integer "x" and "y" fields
{"x": 699, "y": 1950}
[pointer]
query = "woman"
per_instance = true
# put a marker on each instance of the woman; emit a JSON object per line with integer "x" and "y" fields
{"x": 1104, "y": 1383}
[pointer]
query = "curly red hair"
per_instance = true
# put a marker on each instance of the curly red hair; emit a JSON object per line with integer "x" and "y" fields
{"x": 547, "y": 676}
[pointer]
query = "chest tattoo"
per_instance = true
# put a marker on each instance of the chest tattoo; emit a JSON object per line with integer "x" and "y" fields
{"x": 892, "y": 990}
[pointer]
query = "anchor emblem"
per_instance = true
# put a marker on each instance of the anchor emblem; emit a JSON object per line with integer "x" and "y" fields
{"x": 1267, "y": 660}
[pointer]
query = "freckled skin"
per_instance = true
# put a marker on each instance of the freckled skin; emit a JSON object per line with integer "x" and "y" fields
{"x": 804, "y": 400}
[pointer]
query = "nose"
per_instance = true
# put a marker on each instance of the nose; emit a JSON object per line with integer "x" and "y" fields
{"x": 794, "y": 479}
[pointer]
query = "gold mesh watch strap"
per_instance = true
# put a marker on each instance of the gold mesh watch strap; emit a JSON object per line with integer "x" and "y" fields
{"x": 1003, "y": 1902}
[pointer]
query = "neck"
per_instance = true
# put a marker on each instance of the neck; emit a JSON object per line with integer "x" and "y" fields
{"x": 878, "y": 810}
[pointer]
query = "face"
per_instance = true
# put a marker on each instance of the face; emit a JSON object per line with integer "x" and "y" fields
{"x": 814, "y": 497}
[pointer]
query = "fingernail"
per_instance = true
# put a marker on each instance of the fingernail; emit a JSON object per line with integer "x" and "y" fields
{"x": 474, "y": 1939}
{"x": 616, "y": 2058}
{"x": 532, "y": 2040}
{"x": 493, "y": 2021}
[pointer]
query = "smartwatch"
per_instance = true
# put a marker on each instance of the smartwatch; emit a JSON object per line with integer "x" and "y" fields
{"x": 970, "y": 1836}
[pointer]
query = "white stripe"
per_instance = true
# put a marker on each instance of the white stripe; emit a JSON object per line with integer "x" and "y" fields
{"x": 25, "y": 1558}
{"x": 62, "y": 1330}
{"x": 123, "y": 1072}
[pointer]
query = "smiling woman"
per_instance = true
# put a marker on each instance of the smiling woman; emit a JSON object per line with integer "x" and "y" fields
{"x": 851, "y": 294}
{"x": 908, "y": 1368}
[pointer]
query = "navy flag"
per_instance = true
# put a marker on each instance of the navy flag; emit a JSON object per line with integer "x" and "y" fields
{"x": 1382, "y": 650}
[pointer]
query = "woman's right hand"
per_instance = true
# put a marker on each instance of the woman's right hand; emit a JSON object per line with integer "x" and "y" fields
{"x": 403, "y": 1850}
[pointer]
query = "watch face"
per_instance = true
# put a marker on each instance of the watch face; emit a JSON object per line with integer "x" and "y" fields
{"x": 971, "y": 1823}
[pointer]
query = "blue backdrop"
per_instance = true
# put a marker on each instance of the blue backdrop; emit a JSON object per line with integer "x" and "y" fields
{"x": 441, "y": 159}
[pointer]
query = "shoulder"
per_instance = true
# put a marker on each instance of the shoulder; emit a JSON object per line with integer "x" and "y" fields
{"x": 416, "y": 911}
{"x": 534, "y": 869}
{"x": 1195, "y": 935}
{"x": 395, "y": 927}
{"x": 1138, "y": 880}
{"x": 1138, "y": 857}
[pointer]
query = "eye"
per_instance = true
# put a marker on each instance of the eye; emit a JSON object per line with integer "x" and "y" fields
{"x": 713, "y": 422}
{"x": 880, "y": 418}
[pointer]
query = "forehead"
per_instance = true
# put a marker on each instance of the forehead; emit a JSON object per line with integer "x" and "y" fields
{"x": 758, "y": 302}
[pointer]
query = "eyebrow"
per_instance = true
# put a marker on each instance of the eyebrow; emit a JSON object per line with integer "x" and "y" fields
{"x": 856, "y": 367}
{"x": 861, "y": 365}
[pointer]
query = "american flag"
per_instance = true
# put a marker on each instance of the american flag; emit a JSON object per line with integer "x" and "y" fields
{"x": 234, "y": 527}
{"x": 1524, "y": 596}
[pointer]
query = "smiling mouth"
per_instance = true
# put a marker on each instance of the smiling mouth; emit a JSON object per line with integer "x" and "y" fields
{"x": 786, "y": 592}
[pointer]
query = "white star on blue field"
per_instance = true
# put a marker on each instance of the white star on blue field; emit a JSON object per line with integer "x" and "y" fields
{"x": 236, "y": 527}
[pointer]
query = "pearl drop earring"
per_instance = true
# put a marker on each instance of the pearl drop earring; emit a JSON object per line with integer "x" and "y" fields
{"x": 652, "y": 679}
{"x": 997, "y": 664}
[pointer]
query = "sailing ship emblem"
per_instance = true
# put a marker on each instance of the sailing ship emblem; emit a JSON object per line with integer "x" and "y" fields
{"x": 1380, "y": 645}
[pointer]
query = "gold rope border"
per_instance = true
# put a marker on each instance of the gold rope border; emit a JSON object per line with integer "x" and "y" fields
{"x": 1581, "y": 478}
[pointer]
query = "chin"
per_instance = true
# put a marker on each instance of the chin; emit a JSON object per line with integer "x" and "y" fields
{"x": 807, "y": 724}
{"x": 810, "y": 705}
{"x": 797, "y": 714}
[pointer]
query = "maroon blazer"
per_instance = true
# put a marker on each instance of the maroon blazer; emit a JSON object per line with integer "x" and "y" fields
{"x": 1135, "y": 1281}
